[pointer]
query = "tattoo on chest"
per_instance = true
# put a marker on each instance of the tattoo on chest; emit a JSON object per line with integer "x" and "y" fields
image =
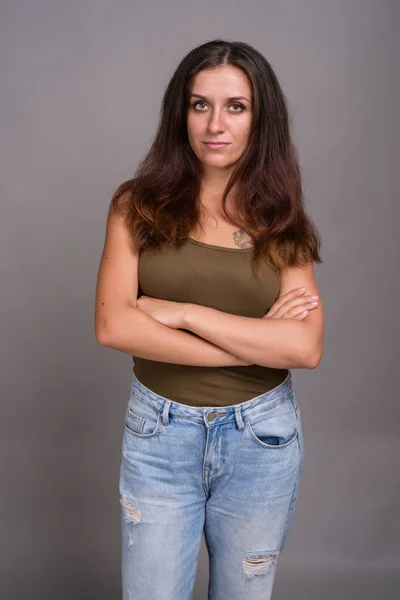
{"x": 242, "y": 239}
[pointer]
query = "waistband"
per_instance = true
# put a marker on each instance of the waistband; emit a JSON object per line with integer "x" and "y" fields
{"x": 213, "y": 415}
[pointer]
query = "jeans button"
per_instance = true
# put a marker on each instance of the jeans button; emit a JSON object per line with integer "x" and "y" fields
{"x": 211, "y": 416}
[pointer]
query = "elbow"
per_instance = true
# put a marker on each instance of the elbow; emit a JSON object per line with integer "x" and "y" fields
{"x": 100, "y": 328}
{"x": 108, "y": 336}
{"x": 106, "y": 326}
{"x": 313, "y": 362}
{"x": 102, "y": 333}
{"x": 119, "y": 331}
{"x": 101, "y": 337}
{"x": 313, "y": 358}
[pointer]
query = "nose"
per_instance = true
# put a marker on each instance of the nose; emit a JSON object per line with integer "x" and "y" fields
{"x": 216, "y": 122}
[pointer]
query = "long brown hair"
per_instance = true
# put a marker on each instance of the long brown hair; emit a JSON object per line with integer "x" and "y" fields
{"x": 160, "y": 202}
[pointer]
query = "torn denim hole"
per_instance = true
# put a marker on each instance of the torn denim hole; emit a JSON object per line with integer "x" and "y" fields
{"x": 131, "y": 511}
{"x": 258, "y": 563}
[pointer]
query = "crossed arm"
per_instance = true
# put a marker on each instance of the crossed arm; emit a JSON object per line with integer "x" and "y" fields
{"x": 277, "y": 343}
{"x": 223, "y": 339}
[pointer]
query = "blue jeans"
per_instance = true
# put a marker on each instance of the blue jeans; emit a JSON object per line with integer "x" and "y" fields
{"x": 231, "y": 472}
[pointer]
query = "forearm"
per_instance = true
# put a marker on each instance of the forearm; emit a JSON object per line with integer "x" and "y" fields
{"x": 276, "y": 343}
{"x": 134, "y": 332}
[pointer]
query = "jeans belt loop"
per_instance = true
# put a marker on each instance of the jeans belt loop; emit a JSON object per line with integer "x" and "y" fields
{"x": 238, "y": 415}
{"x": 165, "y": 412}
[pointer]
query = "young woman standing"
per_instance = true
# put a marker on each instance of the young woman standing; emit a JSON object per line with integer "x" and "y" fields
{"x": 206, "y": 279}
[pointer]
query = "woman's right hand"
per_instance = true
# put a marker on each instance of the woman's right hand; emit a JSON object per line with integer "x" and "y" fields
{"x": 293, "y": 305}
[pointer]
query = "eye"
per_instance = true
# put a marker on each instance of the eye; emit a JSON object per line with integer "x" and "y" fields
{"x": 242, "y": 108}
{"x": 196, "y": 103}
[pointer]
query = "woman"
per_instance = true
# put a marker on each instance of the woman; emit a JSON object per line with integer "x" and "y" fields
{"x": 206, "y": 278}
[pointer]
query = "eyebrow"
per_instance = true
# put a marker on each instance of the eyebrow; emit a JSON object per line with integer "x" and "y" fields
{"x": 229, "y": 99}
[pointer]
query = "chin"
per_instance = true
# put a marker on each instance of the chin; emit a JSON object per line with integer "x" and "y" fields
{"x": 217, "y": 163}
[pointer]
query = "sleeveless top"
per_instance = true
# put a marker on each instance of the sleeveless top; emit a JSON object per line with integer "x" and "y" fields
{"x": 219, "y": 278}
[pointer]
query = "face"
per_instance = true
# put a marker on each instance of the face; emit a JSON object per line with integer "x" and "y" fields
{"x": 213, "y": 116}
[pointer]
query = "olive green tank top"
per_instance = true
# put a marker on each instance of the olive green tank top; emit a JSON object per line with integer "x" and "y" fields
{"x": 216, "y": 277}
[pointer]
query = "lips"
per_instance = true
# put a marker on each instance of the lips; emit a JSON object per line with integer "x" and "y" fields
{"x": 216, "y": 145}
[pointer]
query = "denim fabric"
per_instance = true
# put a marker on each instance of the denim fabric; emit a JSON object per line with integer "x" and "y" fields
{"x": 229, "y": 472}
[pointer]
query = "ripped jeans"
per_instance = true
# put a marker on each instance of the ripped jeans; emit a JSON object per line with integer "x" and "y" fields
{"x": 229, "y": 472}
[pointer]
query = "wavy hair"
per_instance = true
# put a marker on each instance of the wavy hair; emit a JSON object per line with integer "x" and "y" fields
{"x": 160, "y": 203}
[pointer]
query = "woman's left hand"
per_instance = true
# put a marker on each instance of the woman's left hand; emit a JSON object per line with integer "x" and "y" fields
{"x": 164, "y": 311}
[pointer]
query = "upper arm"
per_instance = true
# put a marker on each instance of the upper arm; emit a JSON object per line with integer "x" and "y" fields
{"x": 117, "y": 278}
{"x": 303, "y": 276}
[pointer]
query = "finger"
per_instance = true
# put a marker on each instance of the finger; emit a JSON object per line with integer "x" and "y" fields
{"x": 297, "y": 303}
{"x": 302, "y": 315}
{"x": 292, "y": 313}
{"x": 300, "y": 304}
{"x": 282, "y": 300}
{"x": 298, "y": 317}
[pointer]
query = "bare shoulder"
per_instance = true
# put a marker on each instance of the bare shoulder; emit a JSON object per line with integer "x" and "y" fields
{"x": 117, "y": 279}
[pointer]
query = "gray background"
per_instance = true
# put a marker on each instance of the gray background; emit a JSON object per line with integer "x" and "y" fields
{"x": 81, "y": 86}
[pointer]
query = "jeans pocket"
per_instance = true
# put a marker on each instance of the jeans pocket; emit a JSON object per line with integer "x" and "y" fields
{"x": 275, "y": 428}
{"x": 142, "y": 420}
